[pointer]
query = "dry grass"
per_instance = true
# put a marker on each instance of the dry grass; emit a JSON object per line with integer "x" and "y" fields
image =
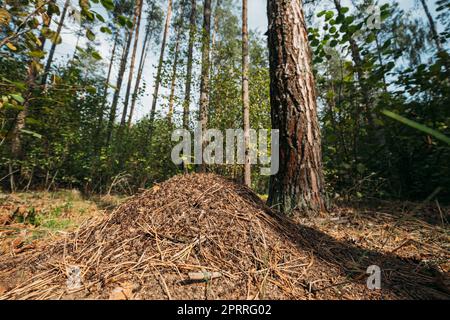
{"x": 28, "y": 217}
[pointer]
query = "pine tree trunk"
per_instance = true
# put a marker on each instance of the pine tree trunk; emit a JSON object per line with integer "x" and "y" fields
{"x": 51, "y": 54}
{"x": 245, "y": 94}
{"x": 160, "y": 65}
{"x": 179, "y": 31}
{"x": 123, "y": 65}
{"x": 214, "y": 33}
{"x": 204, "y": 82}
{"x": 432, "y": 25}
{"x": 137, "y": 15}
{"x": 144, "y": 52}
{"x": 192, "y": 31}
{"x": 299, "y": 183}
{"x": 108, "y": 78}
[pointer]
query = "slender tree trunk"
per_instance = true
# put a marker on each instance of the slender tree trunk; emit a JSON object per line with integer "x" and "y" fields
{"x": 245, "y": 94}
{"x": 51, "y": 54}
{"x": 192, "y": 31}
{"x": 216, "y": 24}
{"x": 179, "y": 32}
{"x": 137, "y": 15}
{"x": 144, "y": 52}
{"x": 380, "y": 61}
{"x": 432, "y": 25}
{"x": 214, "y": 33}
{"x": 19, "y": 125}
{"x": 160, "y": 65}
{"x": 204, "y": 82}
{"x": 108, "y": 78}
{"x": 299, "y": 183}
{"x": 123, "y": 65}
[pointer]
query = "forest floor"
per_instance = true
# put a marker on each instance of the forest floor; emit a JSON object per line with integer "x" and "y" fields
{"x": 168, "y": 242}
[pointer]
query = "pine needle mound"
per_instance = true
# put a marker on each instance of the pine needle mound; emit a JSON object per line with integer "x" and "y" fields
{"x": 200, "y": 236}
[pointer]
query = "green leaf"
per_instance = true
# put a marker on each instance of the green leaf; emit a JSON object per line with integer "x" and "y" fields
{"x": 108, "y": 4}
{"x": 96, "y": 55}
{"x": 90, "y": 35}
{"x": 11, "y": 106}
{"x": 18, "y": 97}
{"x": 371, "y": 38}
{"x": 349, "y": 20}
{"x": 321, "y": 13}
{"x": 34, "y": 134}
{"x": 19, "y": 85}
{"x": 37, "y": 54}
{"x": 53, "y": 9}
{"x": 106, "y": 30}
{"x": 91, "y": 89}
{"x": 417, "y": 126}
{"x": 122, "y": 20}
{"x": 329, "y": 15}
{"x": 88, "y": 14}
{"x": 100, "y": 17}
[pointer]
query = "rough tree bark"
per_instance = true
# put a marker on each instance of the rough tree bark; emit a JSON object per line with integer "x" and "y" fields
{"x": 192, "y": 31}
{"x": 137, "y": 15}
{"x": 204, "y": 81}
{"x": 245, "y": 94}
{"x": 299, "y": 183}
